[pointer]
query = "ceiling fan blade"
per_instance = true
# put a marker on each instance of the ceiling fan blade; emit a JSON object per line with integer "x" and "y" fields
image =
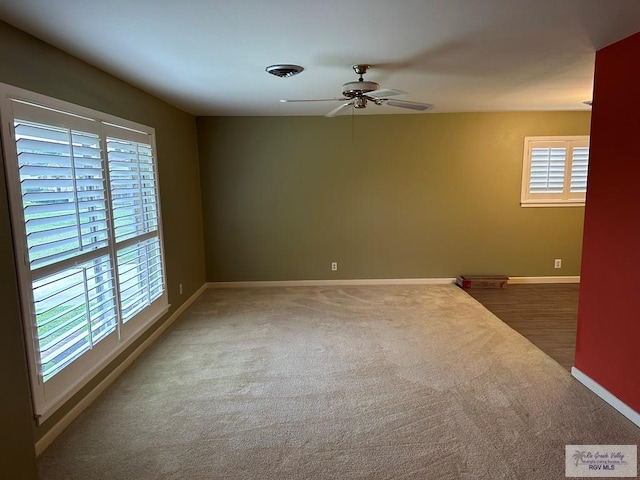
{"x": 335, "y": 111}
{"x": 284, "y": 100}
{"x": 385, "y": 92}
{"x": 411, "y": 105}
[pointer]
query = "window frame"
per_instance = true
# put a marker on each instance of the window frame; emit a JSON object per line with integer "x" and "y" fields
{"x": 50, "y": 395}
{"x": 566, "y": 198}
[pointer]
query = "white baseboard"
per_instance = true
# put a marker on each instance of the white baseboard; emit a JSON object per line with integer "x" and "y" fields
{"x": 607, "y": 396}
{"x": 380, "y": 281}
{"x": 64, "y": 422}
{"x": 326, "y": 283}
{"x": 549, "y": 279}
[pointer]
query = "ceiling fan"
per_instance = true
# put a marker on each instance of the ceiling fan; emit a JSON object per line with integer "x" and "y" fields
{"x": 360, "y": 92}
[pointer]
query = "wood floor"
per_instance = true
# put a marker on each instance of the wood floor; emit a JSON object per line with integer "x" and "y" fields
{"x": 546, "y": 314}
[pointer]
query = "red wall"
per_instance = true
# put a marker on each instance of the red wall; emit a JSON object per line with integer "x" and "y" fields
{"x": 608, "y": 341}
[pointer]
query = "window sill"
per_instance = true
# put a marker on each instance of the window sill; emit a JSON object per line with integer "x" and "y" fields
{"x": 552, "y": 204}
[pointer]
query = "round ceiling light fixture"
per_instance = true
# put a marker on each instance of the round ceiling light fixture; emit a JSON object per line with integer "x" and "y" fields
{"x": 284, "y": 70}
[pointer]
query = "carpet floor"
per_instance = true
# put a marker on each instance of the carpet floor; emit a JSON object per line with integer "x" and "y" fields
{"x": 372, "y": 382}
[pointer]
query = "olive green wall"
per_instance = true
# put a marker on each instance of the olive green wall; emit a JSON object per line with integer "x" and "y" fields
{"x": 393, "y": 196}
{"x": 17, "y": 456}
{"x": 31, "y": 64}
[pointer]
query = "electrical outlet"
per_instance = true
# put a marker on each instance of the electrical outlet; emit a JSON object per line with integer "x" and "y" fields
{"x": 557, "y": 263}
{"x": 334, "y": 266}
{"x": 180, "y": 289}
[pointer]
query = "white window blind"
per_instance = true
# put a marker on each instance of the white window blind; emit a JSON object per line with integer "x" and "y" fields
{"x": 555, "y": 171}
{"x": 86, "y": 221}
{"x": 579, "y": 168}
{"x": 135, "y": 217}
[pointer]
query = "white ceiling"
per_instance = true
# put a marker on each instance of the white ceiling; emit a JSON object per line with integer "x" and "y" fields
{"x": 208, "y": 57}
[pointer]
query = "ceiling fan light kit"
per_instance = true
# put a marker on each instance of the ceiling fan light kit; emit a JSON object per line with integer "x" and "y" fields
{"x": 358, "y": 93}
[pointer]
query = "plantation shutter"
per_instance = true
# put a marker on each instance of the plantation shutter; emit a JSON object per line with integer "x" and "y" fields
{"x": 135, "y": 215}
{"x": 84, "y": 197}
{"x": 547, "y": 169}
{"x": 555, "y": 170}
{"x": 579, "y": 169}
{"x": 64, "y": 206}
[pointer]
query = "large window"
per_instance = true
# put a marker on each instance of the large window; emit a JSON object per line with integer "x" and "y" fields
{"x": 554, "y": 171}
{"x": 85, "y": 209}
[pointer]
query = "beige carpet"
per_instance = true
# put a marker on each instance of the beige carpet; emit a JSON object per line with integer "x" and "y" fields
{"x": 389, "y": 382}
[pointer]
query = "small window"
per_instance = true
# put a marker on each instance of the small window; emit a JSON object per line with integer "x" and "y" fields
{"x": 554, "y": 171}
